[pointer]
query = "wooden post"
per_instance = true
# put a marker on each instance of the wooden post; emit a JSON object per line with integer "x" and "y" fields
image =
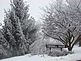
{"x": 61, "y": 49}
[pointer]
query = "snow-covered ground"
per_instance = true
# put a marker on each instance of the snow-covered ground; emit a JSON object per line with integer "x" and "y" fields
{"x": 70, "y": 57}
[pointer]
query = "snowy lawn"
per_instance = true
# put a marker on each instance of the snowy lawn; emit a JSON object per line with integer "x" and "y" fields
{"x": 70, "y": 57}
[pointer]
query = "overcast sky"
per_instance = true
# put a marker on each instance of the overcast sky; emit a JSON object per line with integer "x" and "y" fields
{"x": 34, "y": 7}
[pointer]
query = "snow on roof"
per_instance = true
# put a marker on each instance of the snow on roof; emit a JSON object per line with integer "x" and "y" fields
{"x": 53, "y": 41}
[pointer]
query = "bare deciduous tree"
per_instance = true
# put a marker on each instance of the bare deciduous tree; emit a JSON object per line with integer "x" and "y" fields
{"x": 62, "y": 22}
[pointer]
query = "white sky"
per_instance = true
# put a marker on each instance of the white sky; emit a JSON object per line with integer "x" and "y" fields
{"x": 34, "y": 7}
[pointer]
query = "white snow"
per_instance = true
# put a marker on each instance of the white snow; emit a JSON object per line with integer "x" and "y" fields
{"x": 70, "y": 57}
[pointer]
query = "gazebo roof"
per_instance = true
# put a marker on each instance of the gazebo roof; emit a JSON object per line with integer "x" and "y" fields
{"x": 55, "y": 42}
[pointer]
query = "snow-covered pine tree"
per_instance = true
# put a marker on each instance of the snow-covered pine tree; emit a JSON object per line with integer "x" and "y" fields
{"x": 5, "y": 48}
{"x": 19, "y": 29}
{"x": 14, "y": 34}
{"x": 27, "y": 23}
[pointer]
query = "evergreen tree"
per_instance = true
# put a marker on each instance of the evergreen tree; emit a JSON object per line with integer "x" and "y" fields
{"x": 27, "y": 23}
{"x": 19, "y": 29}
{"x": 4, "y": 45}
{"x": 14, "y": 35}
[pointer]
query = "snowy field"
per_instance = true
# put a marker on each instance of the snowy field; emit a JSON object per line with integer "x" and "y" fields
{"x": 70, "y": 57}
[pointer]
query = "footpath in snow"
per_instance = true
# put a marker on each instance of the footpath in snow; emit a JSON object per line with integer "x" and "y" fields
{"x": 70, "y": 57}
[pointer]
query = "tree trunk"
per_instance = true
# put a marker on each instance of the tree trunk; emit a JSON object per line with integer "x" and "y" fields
{"x": 80, "y": 43}
{"x": 69, "y": 48}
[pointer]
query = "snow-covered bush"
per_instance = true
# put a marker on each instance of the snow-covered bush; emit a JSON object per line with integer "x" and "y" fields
{"x": 38, "y": 47}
